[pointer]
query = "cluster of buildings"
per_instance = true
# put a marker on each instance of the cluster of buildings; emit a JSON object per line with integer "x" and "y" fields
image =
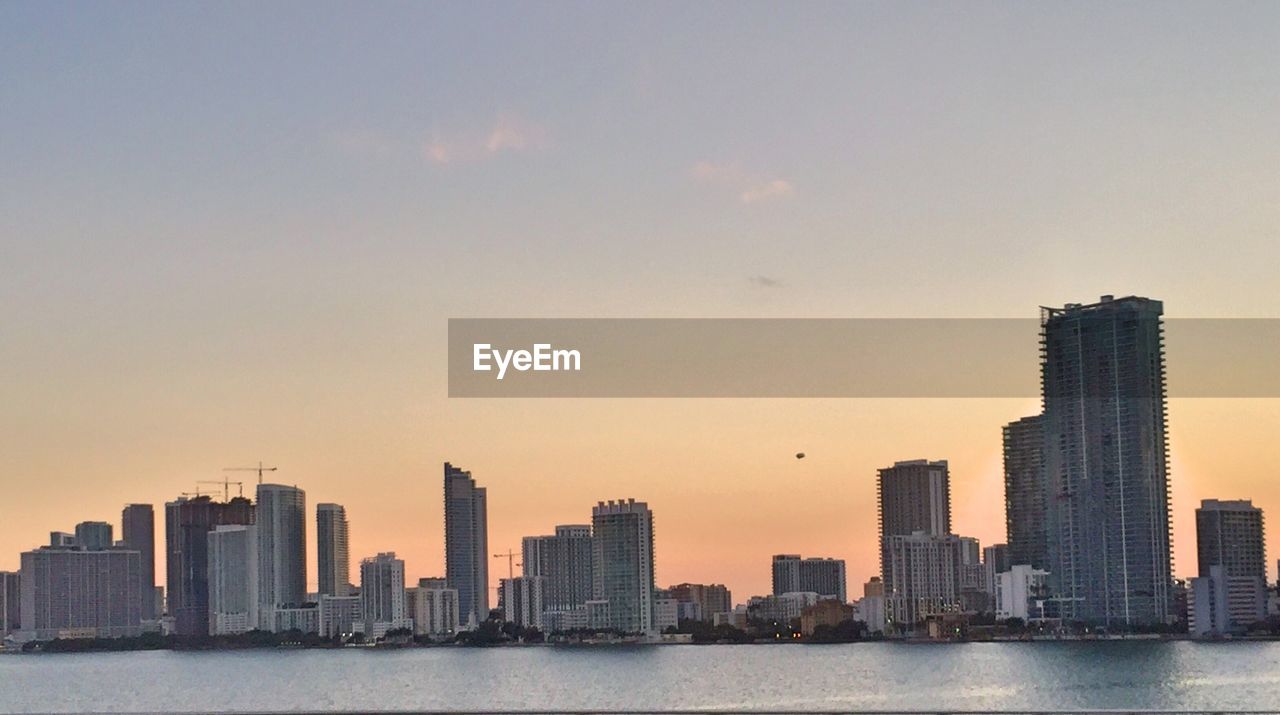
{"x": 237, "y": 565}
{"x": 1087, "y": 504}
{"x": 1087, "y": 524}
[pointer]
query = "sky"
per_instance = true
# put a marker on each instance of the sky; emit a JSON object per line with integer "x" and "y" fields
{"x": 233, "y": 232}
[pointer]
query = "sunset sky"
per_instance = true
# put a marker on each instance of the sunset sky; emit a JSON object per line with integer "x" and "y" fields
{"x": 236, "y": 232}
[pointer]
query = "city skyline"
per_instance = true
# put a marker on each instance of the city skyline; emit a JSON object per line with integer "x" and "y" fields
{"x": 844, "y": 552}
{"x": 254, "y": 255}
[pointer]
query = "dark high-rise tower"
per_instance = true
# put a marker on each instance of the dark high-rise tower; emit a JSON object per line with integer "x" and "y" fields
{"x": 187, "y": 526}
{"x": 1025, "y": 519}
{"x": 914, "y": 496}
{"x": 1105, "y": 462}
{"x": 138, "y": 524}
{"x": 466, "y": 543}
{"x": 332, "y": 556}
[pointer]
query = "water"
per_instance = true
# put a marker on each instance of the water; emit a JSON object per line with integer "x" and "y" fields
{"x": 870, "y": 676}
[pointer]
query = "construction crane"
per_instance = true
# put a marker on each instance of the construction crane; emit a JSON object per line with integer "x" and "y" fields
{"x": 259, "y": 469}
{"x": 226, "y": 487}
{"x": 510, "y": 556}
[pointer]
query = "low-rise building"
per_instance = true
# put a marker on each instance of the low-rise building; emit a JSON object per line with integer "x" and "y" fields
{"x": 782, "y": 608}
{"x": 520, "y": 599}
{"x": 304, "y": 618}
{"x": 1021, "y": 593}
{"x": 435, "y": 608}
{"x": 341, "y": 616}
{"x": 828, "y": 612}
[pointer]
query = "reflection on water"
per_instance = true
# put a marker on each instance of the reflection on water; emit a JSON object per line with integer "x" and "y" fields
{"x": 885, "y": 676}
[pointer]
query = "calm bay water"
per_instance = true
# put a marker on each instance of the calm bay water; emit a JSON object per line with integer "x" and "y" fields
{"x": 890, "y": 676}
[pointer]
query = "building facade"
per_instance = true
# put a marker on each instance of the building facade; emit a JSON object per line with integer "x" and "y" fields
{"x": 187, "y": 526}
{"x": 710, "y": 599}
{"x": 10, "y": 602}
{"x": 434, "y": 608}
{"x": 466, "y": 543}
{"x": 282, "y": 550}
{"x": 76, "y": 593}
{"x": 823, "y": 576}
{"x": 623, "y": 579}
{"x": 382, "y": 595}
{"x": 924, "y": 578}
{"x": 521, "y": 600}
{"x": 138, "y": 532}
{"x": 913, "y": 496}
{"x": 1230, "y": 535}
{"x": 828, "y": 612}
{"x": 995, "y": 561}
{"x": 1105, "y": 469}
{"x": 1021, "y": 593}
{"x": 1026, "y": 524}
{"x": 564, "y": 561}
{"x": 233, "y": 579}
{"x": 333, "y": 561}
{"x": 94, "y": 535}
{"x": 341, "y": 616}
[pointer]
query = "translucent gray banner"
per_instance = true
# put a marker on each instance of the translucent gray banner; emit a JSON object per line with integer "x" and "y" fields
{"x": 978, "y": 357}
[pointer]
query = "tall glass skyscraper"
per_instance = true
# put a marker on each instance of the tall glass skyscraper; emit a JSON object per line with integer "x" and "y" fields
{"x": 1024, "y": 496}
{"x": 623, "y": 533}
{"x": 1105, "y": 462}
{"x": 466, "y": 543}
{"x": 333, "y": 559}
{"x": 282, "y": 550}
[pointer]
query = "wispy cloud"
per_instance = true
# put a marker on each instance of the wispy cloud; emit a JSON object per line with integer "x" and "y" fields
{"x": 770, "y": 190}
{"x": 760, "y": 281}
{"x": 751, "y": 187}
{"x": 506, "y": 134}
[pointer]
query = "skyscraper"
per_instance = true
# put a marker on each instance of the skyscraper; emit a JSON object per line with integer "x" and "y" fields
{"x": 913, "y": 496}
{"x": 623, "y": 543}
{"x": 564, "y": 562}
{"x": 10, "y": 602}
{"x": 382, "y": 595}
{"x": 823, "y": 576}
{"x": 94, "y": 535}
{"x": 282, "y": 550}
{"x": 1105, "y": 470}
{"x": 1230, "y": 548}
{"x": 1024, "y": 506}
{"x": 233, "y": 579}
{"x": 138, "y": 524}
{"x": 187, "y": 526}
{"x": 466, "y": 543}
{"x": 332, "y": 560}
